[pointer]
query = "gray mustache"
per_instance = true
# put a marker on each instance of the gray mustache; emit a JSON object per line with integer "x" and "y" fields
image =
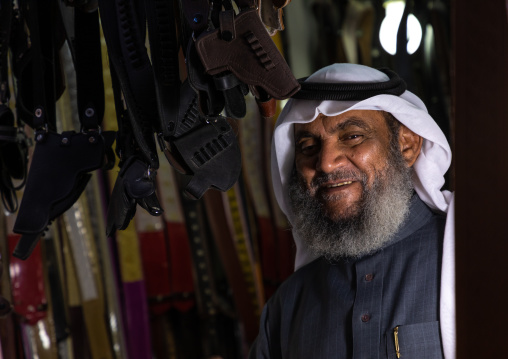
{"x": 339, "y": 174}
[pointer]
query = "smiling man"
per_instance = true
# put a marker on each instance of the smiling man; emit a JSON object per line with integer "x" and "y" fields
{"x": 358, "y": 167}
{"x": 351, "y": 185}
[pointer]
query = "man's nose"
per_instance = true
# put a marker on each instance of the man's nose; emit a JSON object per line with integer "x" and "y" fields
{"x": 330, "y": 158}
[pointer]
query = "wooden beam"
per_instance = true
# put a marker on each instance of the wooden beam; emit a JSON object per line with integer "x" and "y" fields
{"x": 480, "y": 113}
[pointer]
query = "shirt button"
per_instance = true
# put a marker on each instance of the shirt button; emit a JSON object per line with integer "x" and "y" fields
{"x": 369, "y": 277}
{"x": 365, "y": 318}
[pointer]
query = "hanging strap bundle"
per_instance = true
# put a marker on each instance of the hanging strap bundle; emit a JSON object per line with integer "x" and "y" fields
{"x": 61, "y": 163}
{"x": 227, "y": 51}
{"x": 186, "y": 116}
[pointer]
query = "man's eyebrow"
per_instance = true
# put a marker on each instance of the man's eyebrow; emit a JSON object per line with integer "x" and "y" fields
{"x": 352, "y": 121}
{"x": 302, "y": 134}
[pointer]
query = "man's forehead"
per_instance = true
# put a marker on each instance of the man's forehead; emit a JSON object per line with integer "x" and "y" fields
{"x": 361, "y": 118}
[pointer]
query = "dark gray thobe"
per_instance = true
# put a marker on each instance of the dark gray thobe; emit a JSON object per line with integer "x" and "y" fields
{"x": 351, "y": 308}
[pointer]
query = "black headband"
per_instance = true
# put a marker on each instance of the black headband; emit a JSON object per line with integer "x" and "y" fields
{"x": 350, "y": 91}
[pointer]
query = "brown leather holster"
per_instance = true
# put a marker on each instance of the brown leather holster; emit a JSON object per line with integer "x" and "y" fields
{"x": 242, "y": 45}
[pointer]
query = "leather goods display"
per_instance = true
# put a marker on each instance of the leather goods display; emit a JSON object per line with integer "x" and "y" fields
{"x": 197, "y": 141}
{"x": 194, "y": 121}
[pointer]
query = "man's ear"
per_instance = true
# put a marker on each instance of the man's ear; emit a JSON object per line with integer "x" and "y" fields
{"x": 410, "y": 145}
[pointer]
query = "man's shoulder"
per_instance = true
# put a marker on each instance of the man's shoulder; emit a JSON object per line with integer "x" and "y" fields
{"x": 436, "y": 220}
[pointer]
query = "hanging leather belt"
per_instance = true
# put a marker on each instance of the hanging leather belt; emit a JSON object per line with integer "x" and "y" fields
{"x": 179, "y": 256}
{"x": 206, "y": 293}
{"x": 254, "y": 168}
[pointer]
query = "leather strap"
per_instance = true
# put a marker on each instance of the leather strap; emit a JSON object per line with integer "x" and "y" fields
{"x": 21, "y": 61}
{"x": 107, "y": 245}
{"x": 237, "y": 208}
{"x": 164, "y": 47}
{"x": 130, "y": 62}
{"x": 206, "y": 293}
{"x": 5, "y": 33}
{"x": 254, "y": 164}
{"x": 42, "y": 21}
{"x": 108, "y": 268}
{"x": 13, "y": 158}
{"x": 41, "y": 118}
{"x": 88, "y": 61}
{"x": 135, "y": 301}
{"x": 154, "y": 253}
{"x": 284, "y": 247}
{"x": 246, "y": 305}
{"x": 179, "y": 255}
{"x": 135, "y": 183}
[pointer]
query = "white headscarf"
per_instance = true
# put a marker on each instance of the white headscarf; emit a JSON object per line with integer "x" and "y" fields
{"x": 429, "y": 169}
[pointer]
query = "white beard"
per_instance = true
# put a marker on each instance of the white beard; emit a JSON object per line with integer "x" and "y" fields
{"x": 379, "y": 214}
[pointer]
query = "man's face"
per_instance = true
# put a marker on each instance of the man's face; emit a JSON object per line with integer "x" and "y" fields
{"x": 341, "y": 157}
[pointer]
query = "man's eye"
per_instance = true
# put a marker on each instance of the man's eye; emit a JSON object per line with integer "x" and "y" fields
{"x": 352, "y": 137}
{"x": 308, "y": 148}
